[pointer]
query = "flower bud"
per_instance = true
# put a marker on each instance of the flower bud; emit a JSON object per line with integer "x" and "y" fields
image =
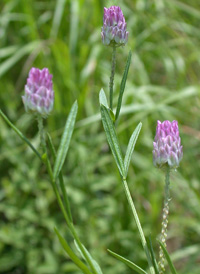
{"x": 167, "y": 145}
{"x": 114, "y": 27}
{"x": 39, "y": 95}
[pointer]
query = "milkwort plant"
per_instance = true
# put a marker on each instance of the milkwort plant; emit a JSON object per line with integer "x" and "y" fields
{"x": 39, "y": 100}
{"x": 167, "y": 146}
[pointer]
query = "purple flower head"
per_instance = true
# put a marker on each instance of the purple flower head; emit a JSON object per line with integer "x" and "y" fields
{"x": 114, "y": 27}
{"x": 167, "y": 145}
{"x": 39, "y": 95}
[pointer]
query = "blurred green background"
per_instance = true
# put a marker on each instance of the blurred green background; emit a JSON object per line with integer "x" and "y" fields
{"x": 163, "y": 83}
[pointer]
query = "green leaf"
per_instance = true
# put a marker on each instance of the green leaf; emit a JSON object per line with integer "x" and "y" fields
{"x": 20, "y": 134}
{"x": 123, "y": 84}
{"x": 61, "y": 180}
{"x": 65, "y": 140}
{"x": 127, "y": 262}
{"x": 102, "y": 98}
{"x": 95, "y": 264}
{"x": 112, "y": 139}
{"x": 171, "y": 266}
{"x": 71, "y": 254}
{"x": 131, "y": 146}
{"x": 153, "y": 256}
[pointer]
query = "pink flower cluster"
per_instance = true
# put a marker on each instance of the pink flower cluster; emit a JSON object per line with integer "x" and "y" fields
{"x": 114, "y": 27}
{"x": 167, "y": 145}
{"x": 39, "y": 94}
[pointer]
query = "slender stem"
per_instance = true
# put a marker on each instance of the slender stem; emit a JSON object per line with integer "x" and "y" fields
{"x": 41, "y": 132}
{"x": 59, "y": 199}
{"x": 163, "y": 236}
{"x": 142, "y": 237}
{"x": 49, "y": 169}
{"x": 60, "y": 177}
{"x": 69, "y": 223}
{"x": 113, "y": 64}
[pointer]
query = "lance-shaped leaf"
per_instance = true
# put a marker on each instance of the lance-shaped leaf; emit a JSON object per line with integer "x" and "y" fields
{"x": 131, "y": 146}
{"x": 71, "y": 254}
{"x": 171, "y": 266}
{"x": 65, "y": 140}
{"x": 153, "y": 257}
{"x": 128, "y": 263}
{"x": 20, "y": 134}
{"x": 112, "y": 139}
{"x": 95, "y": 264}
{"x": 102, "y": 98}
{"x": 122, "y": 86}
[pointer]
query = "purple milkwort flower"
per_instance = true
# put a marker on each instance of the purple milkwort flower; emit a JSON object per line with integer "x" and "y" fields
{"x": 114, "y": 27}
{"x": 167, "y": 145}
{"x": 39, "y": 95}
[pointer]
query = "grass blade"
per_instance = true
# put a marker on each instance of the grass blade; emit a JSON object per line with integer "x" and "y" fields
{"x": 60, "y": 7}
{"x": 122, "y": 87}
{"x": 112, "y": 139}
{"x": 21, "y": 52}
{"x": 171, "y": 266}
{"x": 131, "y": 146}
{"x": 127, "y": 262}
{"x": 65, "y": 140}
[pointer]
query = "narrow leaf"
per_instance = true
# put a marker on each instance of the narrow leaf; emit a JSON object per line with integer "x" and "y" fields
{"x": 127, "y": 262}
{"x": 153, "y": 256}
{"x": 131, "y": 146}
{"x": 123, "y": 84}
{"x": 61, "y": 180}
{"x": 20, "y": 134}
{"x": 112, "y": 139}
{"x": 95, "y": 264}
{"x": 171, "y": 266}
{"x": 71, "y": 254}
{"x": 65, "y": 140}
{"x": 102, "y": 98}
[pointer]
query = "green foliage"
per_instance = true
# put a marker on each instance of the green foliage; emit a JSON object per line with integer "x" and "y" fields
{"x": 171, "y": 266}
{"x": 162, "y": 83}
{"x": 65, "y": 141}
{"x": 112, "y": 139}
{"x": 127, "y": 262}
{"x": 122, "y": 86}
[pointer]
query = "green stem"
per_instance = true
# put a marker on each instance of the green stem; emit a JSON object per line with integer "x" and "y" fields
{"x": 69, "y": 223}
{"x": 163, "y": 236}
{"x": 60, "y": 177}
{"x": 49, "y": 169}
{"x": 71, "y": 254}
{"x": 59, "y": 199}
{"x": 142, "y": 237}
{"x": 41, "y": 132}
{"x": 113, "y": 64}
